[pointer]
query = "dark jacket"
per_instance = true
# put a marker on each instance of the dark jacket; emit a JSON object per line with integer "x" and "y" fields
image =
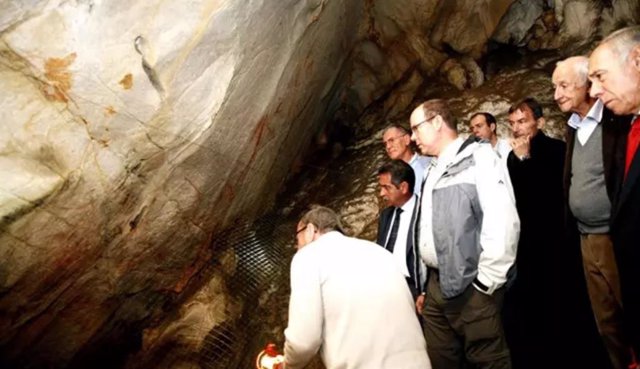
{"x": 625, "y": 232}
{"x": 535, "y": 309}
{"x": 537, "y": 186}
{"x": 413, "y": 257}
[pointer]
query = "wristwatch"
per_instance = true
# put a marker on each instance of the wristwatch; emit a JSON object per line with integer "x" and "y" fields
{"x": 523, "y": 157}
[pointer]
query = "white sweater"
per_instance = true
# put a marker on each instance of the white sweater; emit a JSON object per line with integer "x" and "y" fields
{"x": 349, "y": 300}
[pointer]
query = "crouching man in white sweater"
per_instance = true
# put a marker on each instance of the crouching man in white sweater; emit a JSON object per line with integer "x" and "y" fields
{"x": 349, "y": 300}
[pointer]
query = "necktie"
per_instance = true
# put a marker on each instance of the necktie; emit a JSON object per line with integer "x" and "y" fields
{"x": 633, "y": 141}
{"x": 391, "y": 241}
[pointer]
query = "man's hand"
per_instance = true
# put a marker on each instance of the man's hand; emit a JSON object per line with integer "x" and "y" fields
{"x": 420, "y": 303}
{"x": 521, "y": 146}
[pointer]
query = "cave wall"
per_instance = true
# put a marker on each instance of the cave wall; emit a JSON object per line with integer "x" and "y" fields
{"x": 130, "y": 133}
{"x": 133, "y": 132}
{"x": 406, "y": 47}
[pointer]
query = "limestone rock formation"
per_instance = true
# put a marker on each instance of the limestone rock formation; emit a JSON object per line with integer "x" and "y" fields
{"x": 133, "y": 133}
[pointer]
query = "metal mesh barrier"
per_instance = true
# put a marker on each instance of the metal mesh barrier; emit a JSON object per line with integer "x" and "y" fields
{"x": 260, "y": 285}
{"x": 264, "y": 248}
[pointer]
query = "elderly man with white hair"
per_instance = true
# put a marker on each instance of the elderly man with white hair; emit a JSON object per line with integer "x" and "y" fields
{"x": 592, "y": 176}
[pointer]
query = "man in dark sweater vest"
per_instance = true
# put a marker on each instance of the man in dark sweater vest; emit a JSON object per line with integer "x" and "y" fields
{"x": 593, "y": 172}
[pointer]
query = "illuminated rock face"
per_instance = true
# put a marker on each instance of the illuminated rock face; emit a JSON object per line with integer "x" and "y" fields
{"x": 132, "y": 132}
{"x": 129, "y": 133}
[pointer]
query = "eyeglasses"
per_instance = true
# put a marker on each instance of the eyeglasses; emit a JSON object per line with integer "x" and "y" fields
{"x": 298, "y": 232}
{"x": 392, "y": 140}
{"x": 414, "y": 128}
{"x": 301, "y": 230}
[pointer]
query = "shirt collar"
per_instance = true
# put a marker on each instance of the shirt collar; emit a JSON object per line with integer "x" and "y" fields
{"x": 413, "y": 158}
{"x": 594, "y": 115}
{"x": 408, "y": 206}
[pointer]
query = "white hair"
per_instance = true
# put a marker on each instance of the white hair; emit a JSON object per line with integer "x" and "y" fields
{"x": 580, "y": 67}
{"x": 623, "y": 41}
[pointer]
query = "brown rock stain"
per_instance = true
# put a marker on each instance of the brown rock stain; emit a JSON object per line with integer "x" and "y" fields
{"x": 228, "y": 193}
{"x": 59, "y": 77}
{"x": 109, "y": 110}
{"x": 262, "y": 129}
{"x": 193, "y": 270}
{"x": 126, "y": 81}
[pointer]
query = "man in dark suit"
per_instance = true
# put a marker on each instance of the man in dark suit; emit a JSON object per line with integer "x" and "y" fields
{"x": 530, "y": 309}
{"x": 614, "y": 71}
{"x": 594, "y": 164}
{"x": 396, "y": 226}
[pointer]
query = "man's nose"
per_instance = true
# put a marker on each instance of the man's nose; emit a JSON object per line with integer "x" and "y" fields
{"x": 556, "y": 94}
{"x": 596, "y": 89}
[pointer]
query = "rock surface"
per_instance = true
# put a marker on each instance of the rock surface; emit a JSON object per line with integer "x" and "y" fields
{"x": 133, "y": 133}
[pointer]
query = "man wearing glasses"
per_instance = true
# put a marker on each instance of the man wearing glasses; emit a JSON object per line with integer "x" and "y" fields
{"x": 468, "y": 234}
{"x": 397, "y": 144}
{"x": 349, "y": 301}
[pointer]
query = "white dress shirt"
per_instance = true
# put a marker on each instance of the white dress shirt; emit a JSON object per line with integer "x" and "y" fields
{"x": 419, "y": 164}
{"x": 427, "y": 246}
{"x": 585, "y": 126}
{"x": 400, "y": 247}
{"x": 502, "y": 148}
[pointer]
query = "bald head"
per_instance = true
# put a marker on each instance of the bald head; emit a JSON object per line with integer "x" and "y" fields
{"x": 570, "y": 83}
{"x": 614, "y": 71}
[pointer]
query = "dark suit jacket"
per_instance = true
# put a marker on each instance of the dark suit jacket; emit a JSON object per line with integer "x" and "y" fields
{"x": 537, "y": 186}
{"x": 413, "y": 257}
{"x": 625, "y": 231}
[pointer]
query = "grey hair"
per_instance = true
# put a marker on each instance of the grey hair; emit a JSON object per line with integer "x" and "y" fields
{"x": 323, "y": 218}
{"x": 580, "y": 67}
{"x": 623, "y": 41}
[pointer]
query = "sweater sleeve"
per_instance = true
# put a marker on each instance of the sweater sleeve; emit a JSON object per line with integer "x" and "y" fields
{"x": 500, "y": 222}
{"x": 304, "y": 332}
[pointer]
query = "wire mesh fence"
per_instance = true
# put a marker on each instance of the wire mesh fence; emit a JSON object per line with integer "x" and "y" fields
{"x": 260, "y": 285}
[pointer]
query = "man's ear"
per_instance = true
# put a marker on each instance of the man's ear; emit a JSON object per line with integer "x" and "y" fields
{"x": 311, "y": 231}
{"x": 406, "y": 139}
{"x": 404, "y": 187}
{"x": 437, "y": 122}
{"x": 540, "y": 122}
{"x": 634, "y": 58}
{"x": 495, "y": 127}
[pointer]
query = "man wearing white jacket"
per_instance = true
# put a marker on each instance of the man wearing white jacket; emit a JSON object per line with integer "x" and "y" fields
{"x": 349, "y": 301}
{"x": 468, "y": 234}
